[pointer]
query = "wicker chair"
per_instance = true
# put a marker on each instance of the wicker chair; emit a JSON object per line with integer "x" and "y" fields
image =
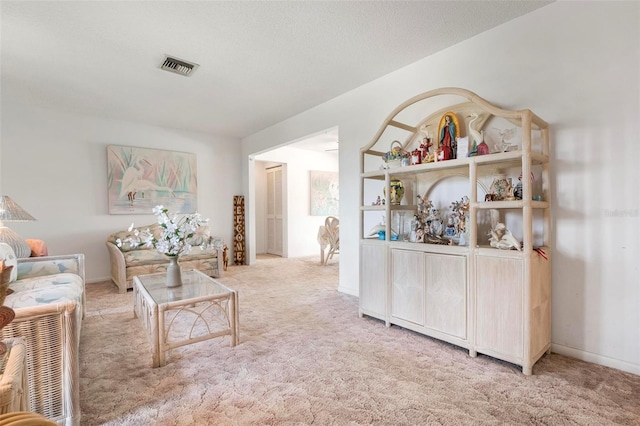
{"x": 332, "y": 233}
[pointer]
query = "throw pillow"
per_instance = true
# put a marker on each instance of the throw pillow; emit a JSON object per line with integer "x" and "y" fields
{"x": 9, "y": 257}
{"x": 38, "y": 247}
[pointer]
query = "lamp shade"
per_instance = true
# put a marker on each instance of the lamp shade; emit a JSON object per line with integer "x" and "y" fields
{"x": 12, "y": 212}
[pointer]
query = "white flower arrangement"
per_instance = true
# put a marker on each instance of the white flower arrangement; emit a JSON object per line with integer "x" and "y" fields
{"x": 178, "y": 234}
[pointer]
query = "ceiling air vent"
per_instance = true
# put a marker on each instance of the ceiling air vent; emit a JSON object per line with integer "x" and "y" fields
{"x": 178, "y": 66}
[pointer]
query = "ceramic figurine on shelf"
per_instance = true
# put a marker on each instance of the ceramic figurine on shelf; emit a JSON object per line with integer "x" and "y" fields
{"x": 396, "y": 191}
{"x": 450, "y": 231}
{"x": 426, "y": 144}
{"x": 416, "y": 157}
{"x": 501, "y": 238}
{"x": 517, "y": 190}
{"x": 501, "y": 187}
{"x": 434, "y": 223}
{"x": 448, "y": 134}
{"x": 505, "y": 135}
{"x": 415, "y": 225}
{"x": 479, "y": 147}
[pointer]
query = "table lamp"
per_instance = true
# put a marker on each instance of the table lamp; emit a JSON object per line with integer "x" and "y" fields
{"x": 11, "y": 212}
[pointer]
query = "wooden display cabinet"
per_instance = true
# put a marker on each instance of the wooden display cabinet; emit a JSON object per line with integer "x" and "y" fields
{"x": 485, "y": 299}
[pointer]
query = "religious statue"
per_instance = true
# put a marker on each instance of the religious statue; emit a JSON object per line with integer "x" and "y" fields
{"x": 448, "y": 134}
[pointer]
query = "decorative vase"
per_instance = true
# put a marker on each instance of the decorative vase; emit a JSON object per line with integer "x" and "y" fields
{"x": 174, "y": 272}
{"x": 396, "y": 189}
{"x": 501, "y": 188}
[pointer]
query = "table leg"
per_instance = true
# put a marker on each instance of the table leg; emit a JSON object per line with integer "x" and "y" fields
{"x": 157, "y": 327}
{"x": 235, "y": 317}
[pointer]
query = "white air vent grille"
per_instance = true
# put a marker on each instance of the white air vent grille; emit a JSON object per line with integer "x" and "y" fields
{"x": 178, "y": 66}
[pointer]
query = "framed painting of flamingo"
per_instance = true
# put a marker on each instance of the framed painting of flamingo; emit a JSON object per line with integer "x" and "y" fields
{"x": 139, "y": 179}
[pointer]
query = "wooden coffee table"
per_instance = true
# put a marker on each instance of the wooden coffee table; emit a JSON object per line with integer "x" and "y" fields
{"x": 201, "y": 309}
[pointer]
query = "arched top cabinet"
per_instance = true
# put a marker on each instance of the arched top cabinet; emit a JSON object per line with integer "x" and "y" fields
{"x": 445, "y": 208}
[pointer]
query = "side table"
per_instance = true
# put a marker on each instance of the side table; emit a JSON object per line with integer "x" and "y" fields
{"x": 14, "y": 389}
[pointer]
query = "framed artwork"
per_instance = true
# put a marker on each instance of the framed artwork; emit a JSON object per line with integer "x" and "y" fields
{"x": 138, "y": 179}
{"x": 324, "y": 193}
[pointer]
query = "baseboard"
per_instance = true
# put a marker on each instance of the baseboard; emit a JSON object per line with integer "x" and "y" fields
{"x": 347, "y": 290}
{"x": 97, "y": 280}
{"x": 596, "y": 359}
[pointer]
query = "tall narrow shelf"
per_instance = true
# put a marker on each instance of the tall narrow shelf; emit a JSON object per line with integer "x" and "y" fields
{"x": 487, "y": 300}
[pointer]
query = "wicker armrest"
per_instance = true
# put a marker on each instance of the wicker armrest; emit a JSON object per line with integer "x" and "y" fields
{"x": 49, "y": 265}
{"x": 118, "y": 267}
{"x": 13, "y": 379}
{"x": 51, "y": 333}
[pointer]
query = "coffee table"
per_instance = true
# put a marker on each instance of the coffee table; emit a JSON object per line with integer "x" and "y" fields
{"x": 201, "y": 309}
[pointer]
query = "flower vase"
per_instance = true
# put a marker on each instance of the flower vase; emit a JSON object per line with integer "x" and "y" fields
{"x": 396, "y": 191}
{"x": 174, "y": 272}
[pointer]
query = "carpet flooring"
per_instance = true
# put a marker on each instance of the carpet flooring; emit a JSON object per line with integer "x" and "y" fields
{"x": 306, "y": 358}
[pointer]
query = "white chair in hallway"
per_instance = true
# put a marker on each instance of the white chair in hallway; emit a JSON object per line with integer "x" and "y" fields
{"x": 329, "y": 238}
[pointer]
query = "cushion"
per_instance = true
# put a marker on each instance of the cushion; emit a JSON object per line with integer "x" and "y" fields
{"x": 38, "y": 248}
{"x": 36, "y": 291}
{"x": 123, "y": 236}
{"x": 9, "y": 257}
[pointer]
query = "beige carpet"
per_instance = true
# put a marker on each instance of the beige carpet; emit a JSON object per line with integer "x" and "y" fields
{"x": 305, "y": 357}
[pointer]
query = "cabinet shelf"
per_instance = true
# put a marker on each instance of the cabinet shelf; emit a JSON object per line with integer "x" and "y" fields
{"x": 488, "y": 300}
{"x": 517, "y": 204}
{"x": 430, "y": 248}
{"x": 491, "y": 251}
{"x": 393, "y": 208}
{"x": 504, "y": 159}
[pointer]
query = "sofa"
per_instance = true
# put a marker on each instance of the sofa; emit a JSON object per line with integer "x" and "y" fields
{"x": 49, "y": 301}
{"x": 128, "y": 261}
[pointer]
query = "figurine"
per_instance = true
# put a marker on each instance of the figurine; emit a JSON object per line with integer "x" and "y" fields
{"x": 505, "y": 135}
{"x": 448, "y": 134}
{"x": 478, "y": 146}
{"x": 426, "y": 144}
{"x": 501, "y": 238}
{"x": 416, "y": 157}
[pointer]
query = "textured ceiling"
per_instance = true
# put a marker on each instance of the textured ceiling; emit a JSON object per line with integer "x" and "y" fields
{"x": 260, "y": 62}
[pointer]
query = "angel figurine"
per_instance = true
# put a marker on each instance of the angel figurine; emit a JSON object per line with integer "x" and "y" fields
{"x": 426, "y": 143}
{"x": 505, "y": 135}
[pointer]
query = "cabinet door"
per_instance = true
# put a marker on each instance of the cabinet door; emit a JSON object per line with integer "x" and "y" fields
{"x": 275, "y": 239}
{"x": 446, "y": 294}
{"x": 407, "y": 285}
{"x": 499, "y": 314}
{"x": 373, "y": 280}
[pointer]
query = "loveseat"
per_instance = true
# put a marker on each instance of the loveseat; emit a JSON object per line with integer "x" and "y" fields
{"x": 49, "y": 303}
{"x": 128, "y": 261}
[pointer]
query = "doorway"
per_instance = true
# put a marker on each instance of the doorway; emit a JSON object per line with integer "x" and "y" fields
{"x": 293, "y": 230}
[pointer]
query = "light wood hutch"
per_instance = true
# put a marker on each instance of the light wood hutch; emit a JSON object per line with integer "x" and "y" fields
{"x": 487, "y": 300}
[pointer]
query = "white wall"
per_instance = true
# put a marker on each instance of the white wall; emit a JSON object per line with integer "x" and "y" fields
{"x": 575, "y": 64}
{"x": 302, "y": 228}
{"x": 54, "y": 165}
